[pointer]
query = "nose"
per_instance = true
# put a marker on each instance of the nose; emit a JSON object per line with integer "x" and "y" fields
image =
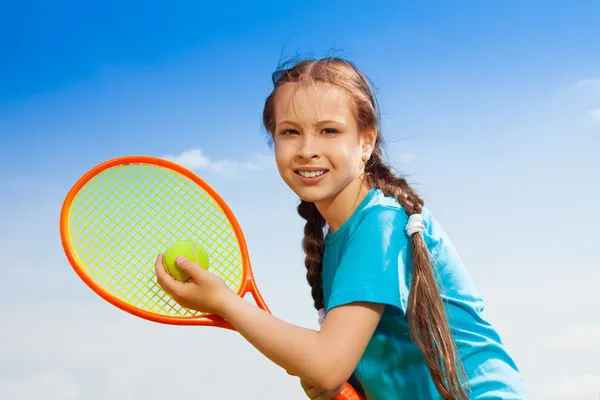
{"x": 308, "y": 148}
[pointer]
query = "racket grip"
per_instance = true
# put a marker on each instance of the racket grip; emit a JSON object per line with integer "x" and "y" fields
{"x": 348, "y": 393}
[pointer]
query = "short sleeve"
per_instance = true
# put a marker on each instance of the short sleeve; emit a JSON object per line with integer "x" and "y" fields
{"x": 375, "y": 261}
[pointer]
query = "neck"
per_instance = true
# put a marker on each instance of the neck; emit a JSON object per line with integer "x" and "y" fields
{"x": 337, "y": 209}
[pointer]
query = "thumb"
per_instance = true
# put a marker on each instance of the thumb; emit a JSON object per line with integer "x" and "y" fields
{"x": 188, "y": 266}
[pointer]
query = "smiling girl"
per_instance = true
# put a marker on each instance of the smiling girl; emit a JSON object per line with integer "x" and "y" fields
{"x": 399, "y": 314}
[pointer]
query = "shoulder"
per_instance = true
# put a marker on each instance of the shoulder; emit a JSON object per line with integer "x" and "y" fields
{"x": 380, "y": 232}
{"x": 382, "y": 216}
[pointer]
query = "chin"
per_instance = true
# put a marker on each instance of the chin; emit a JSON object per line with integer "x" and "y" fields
{"x": 314, "y": 194}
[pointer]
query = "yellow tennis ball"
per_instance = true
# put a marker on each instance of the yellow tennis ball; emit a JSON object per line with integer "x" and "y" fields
{"x": 189, "y": 249}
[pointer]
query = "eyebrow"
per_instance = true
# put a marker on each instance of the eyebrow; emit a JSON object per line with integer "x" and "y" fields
{"x": 327, "y": 121}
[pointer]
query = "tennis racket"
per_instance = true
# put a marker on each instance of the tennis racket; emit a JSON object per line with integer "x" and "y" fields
{"x": 120, "y": 214}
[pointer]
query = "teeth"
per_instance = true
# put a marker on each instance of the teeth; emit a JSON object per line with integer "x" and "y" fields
{"x": 311, "y": 174}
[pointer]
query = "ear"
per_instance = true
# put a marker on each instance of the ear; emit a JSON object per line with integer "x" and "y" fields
{"x": 369, "y": 137}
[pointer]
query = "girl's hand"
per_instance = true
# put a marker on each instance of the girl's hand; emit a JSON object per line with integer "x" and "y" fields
{"x": 316, "y": 393}
{"x": 204, "y": 292}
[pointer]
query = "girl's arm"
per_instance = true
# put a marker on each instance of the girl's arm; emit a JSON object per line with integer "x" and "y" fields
{"x": 325, "y": 358}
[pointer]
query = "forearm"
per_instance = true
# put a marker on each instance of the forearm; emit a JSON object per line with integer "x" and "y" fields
{"x": 301, "y": 352}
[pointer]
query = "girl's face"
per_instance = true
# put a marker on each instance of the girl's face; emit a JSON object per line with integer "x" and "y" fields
{"x": 318, "y": 146}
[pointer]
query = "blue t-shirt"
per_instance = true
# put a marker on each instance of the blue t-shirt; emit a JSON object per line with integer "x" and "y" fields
{"x": 369, "y": 259}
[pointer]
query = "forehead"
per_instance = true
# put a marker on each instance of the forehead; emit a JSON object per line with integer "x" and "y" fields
{"x": 318, "y": 101}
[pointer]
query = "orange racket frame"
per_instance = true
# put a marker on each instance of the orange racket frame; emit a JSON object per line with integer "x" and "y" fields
{"x": 248, "y": 284}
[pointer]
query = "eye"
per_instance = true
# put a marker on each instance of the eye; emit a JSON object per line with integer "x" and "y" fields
{"x": 330, "y": 131}
{"x": 288, "y": 132}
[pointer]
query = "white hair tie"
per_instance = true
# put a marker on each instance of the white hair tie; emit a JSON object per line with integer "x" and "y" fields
{"x": 415, "y": 224}
{"x": 321, "y": 316}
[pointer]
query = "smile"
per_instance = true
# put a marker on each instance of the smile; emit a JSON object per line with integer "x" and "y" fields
{"x": 311, "y": 174}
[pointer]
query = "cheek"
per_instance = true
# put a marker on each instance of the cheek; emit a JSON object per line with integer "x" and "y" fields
{"x": 283, "y": 157}
{"x": 345, "y": 156}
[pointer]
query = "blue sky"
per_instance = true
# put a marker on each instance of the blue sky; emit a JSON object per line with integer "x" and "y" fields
{"x": 491, "y": 108}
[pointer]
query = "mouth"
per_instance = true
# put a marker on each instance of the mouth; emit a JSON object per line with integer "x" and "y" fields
{"x": 311, "y": 173}
{"x": 310, "y": 176}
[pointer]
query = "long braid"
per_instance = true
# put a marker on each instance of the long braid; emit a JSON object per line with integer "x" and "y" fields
{"x": 313, "y": 243}
{"x": 427, "y": 319}
{"x": 391, "y": 185}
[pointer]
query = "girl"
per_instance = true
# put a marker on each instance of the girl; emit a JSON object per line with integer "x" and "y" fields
{"x": 399, "y": 314}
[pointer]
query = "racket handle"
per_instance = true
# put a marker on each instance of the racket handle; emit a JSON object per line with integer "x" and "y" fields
{"x": 348, "y": 393}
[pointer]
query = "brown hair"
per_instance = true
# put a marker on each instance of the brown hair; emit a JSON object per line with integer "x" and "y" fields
{"x": 427, "y": 320}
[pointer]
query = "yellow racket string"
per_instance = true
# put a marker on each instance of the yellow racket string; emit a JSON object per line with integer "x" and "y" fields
{"x": 123, "y": 217}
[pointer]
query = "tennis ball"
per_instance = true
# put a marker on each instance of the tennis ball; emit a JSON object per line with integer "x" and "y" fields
{"x": 189, "y": 249}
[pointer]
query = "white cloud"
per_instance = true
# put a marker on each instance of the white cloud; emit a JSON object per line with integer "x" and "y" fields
{"x": 195, "y": 159}
{"x": 589, "y": 89}
{"x": 578, "y": 337}
{"x": 591, "y": 84}
{"x": 192, "y": 159}
{"x": 569, "y": 387}
{"x": 595, "y": 114}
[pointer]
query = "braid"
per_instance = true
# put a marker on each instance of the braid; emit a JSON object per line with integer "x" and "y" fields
{"x": 382, "y": 177}
{"x": 313, "y": 243}
{"x": 427, "y": 319}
